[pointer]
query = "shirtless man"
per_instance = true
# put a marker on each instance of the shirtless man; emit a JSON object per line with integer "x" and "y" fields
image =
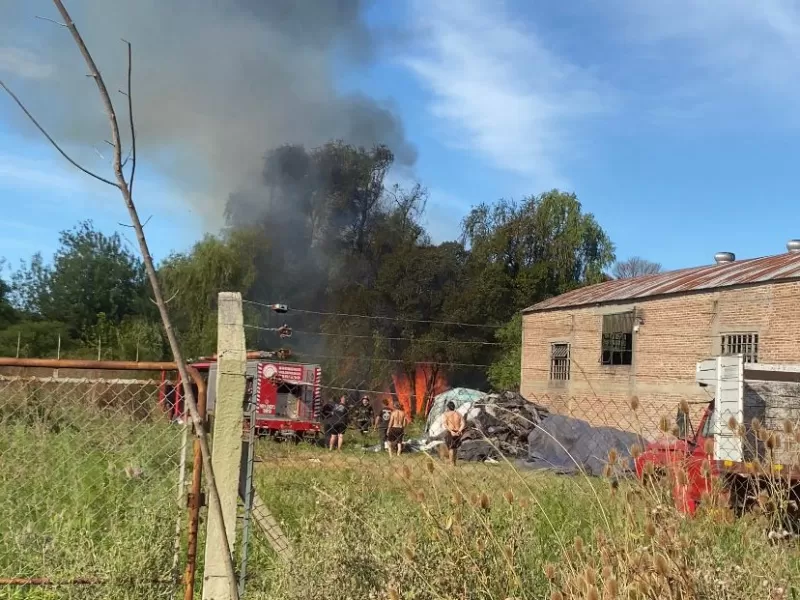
{"x": 454, "y": 428}
{"x": 397, "y": 424}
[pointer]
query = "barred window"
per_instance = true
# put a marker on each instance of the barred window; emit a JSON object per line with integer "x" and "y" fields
{"x": 745, "y": 344}
{"x": 559, "y": 362}
{"x": 617, "y": 339}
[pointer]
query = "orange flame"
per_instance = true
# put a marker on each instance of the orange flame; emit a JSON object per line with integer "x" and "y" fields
{"x": 416, "y": 392}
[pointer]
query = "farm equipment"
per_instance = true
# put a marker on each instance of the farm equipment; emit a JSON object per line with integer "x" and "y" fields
{"x": 286, "y": 395}
{"x": 746, "y": 447}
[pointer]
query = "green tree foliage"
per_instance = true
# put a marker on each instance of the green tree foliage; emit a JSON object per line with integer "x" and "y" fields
{"x": 523, "y": 253}
{"x": 193, "y": 280}
{"x": 90, "y": 274}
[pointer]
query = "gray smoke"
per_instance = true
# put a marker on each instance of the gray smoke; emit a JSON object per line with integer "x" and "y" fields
{"x": 216, "y": 84}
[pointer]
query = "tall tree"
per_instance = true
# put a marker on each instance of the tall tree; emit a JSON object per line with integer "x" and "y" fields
{"x": 635, "y": 267}
{"x": 521, "y": 253}
{"x": 193, "y": 280}
{"x": 91, "y": 274}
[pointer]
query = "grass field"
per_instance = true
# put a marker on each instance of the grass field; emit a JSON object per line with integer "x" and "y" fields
{"x": 365, "y": 526}
{"x": 88, "y": 494}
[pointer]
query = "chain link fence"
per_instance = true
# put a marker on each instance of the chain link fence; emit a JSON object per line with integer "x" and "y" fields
{"x": 553, "y": 495}
{"x": 92, "y": 486}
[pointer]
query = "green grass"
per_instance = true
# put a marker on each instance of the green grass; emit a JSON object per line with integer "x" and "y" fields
{"x": 362, "y": 525}
{"x": 365, "y": 526}
{"x": 88, "y": 494}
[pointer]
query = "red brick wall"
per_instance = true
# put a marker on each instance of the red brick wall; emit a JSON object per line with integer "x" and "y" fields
{"x": 676, "y": 332}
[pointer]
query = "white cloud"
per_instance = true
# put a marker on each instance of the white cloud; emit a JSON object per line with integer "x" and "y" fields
{"x": 717, "y": 56}
{"x": 23, "y": 63}
{"x": 499, "y": 89}
{"x": 18, "y": 172}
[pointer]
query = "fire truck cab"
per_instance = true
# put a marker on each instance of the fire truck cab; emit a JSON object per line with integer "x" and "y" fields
{"x": 286, "y": 396}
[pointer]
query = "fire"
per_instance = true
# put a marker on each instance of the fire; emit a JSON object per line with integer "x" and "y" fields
{"x": 416, "y": 391}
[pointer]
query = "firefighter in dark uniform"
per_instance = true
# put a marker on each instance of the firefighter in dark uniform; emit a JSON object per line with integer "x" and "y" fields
{"x": 364, "y": 415}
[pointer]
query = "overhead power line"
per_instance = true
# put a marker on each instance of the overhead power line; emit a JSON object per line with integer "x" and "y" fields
{"x": 373, "y": 317}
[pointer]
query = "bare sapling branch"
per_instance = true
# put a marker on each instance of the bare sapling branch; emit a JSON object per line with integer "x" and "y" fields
{"x": 49, "y": 137}
{"x": 125, "y": 189}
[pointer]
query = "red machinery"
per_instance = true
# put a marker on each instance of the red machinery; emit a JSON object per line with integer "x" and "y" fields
{"x": 286, "y": 395}
{"x": 715, "y": 459}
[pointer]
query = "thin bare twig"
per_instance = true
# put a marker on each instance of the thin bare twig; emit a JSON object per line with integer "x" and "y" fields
{"x": 98, "y": 153}
{"x": 50, "y": 139}
{"x": 51, "y": 21}
{"x": 152, "y": 276}
{"x": 130, "y": 116}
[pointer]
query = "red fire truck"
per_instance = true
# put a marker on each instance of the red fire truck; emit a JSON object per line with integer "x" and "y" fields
{"x": 286, "y": 395}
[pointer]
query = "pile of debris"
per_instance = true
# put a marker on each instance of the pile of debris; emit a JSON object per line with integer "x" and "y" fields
{"x": 497, "y": 425}
{"x": 506, "y": 426}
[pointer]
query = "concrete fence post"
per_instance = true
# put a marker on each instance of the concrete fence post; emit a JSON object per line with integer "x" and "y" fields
{"x": 226, "y": 450}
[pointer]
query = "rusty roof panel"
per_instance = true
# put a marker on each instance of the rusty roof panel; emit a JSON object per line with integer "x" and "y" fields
{"x": 740, "y": 272}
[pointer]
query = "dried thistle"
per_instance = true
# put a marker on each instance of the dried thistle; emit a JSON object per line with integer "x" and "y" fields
{"x": 763, "y": 435}
{"x": 684, "y": 407}
{"x": 578, "y": 544}
{"x": 650, "y": 529}
{"x": 550, "y": 572}
{"x": 612, "y": 456}
{"x": 430, "y": 466}
{"x": 408, "y": 553}
{"x": 661, "y": 565}
{"x": 634, "y": 403}
{"x": 681, "y": 478}
{"x": 708, "y": 447}
{"x": 733, "y": 424}
{"x": 592, "y": 593}
{"x": 663, "y": 424}
{"x": 636, "y": 451}
{"x": 484, "y": 501}
{"x": 556, "y": 595}
{"x": 755, "y": 424}
{"x": 772, "y": 442}
{"x": 611, "y": 587}
{"x": 606, "y": 573}
{"x": 509, "y": 496}
{"x": 406, "y": 473}
{"x": 590, "y": 577}
{"x": 394, "y": 594}
{"x": 608, "y": 471}
{"x": 788, "y": 427}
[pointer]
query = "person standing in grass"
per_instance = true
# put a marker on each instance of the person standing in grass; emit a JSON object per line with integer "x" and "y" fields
{"x": 382, "y": 421}
{"x": 365, "y": 416}
{"x": 453, "y": 431}
{"x": 339, "y": 425}
{"x": 397, "y": 426}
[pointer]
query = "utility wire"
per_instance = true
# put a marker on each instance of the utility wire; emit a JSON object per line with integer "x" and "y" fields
{"x": 375, "y": 317}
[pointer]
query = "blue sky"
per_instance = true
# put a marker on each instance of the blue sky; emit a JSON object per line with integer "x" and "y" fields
{"x": 673, "y": 122}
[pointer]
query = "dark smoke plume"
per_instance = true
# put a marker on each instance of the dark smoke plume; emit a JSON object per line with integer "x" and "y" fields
{"x": 216, "y": 84}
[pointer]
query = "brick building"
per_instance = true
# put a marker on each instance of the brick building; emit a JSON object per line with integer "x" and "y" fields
{"x": 587, "y": 352}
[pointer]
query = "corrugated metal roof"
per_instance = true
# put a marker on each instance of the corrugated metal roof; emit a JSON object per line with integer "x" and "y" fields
{"x": 749, "y": 271}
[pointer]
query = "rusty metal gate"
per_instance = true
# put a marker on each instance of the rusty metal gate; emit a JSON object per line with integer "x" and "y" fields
{"x": 99, "y": 487}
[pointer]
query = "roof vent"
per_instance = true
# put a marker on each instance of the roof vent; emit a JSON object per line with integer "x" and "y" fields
{"x": 722, "y": 258}
{"x": 793, "y": 246}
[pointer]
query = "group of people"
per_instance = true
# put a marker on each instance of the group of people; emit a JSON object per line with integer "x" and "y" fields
{"x": 390, "y": 422}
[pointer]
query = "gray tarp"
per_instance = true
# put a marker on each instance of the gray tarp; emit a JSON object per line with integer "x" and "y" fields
{"x": 568, "y": 445}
